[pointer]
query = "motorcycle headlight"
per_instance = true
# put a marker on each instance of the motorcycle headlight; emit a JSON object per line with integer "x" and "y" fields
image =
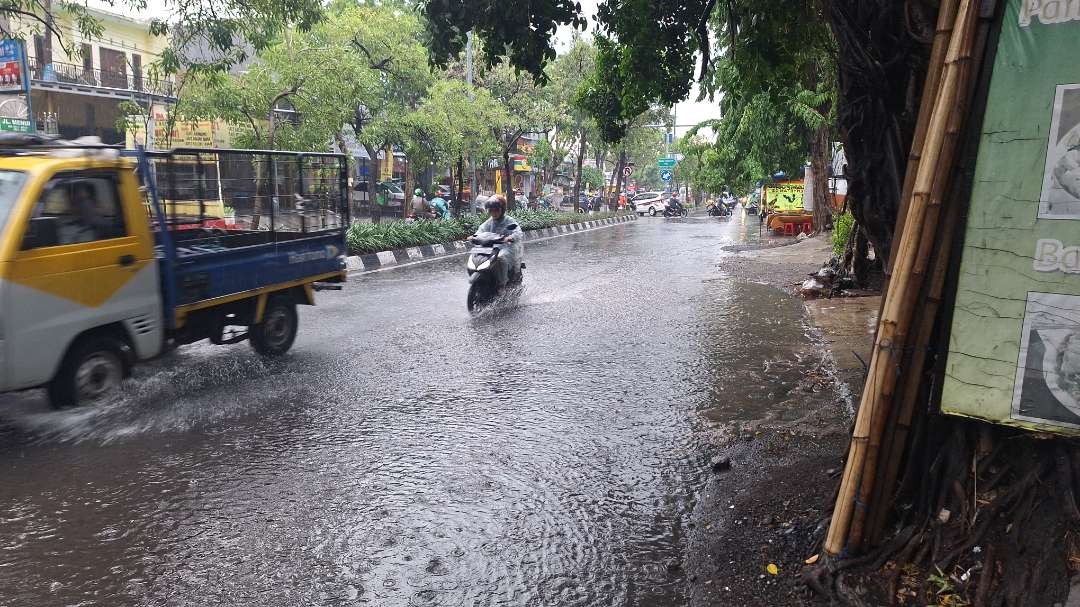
{"x": 472, "y": 263}
{"x": 485, "y": 265}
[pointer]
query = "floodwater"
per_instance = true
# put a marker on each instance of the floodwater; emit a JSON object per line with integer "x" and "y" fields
{"x": 547, "y": 452}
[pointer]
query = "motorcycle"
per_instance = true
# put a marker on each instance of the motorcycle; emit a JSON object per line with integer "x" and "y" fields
{"x": 679, "y": 211}
{"x": 482, "y": 266}
{"x": 718, "y": 210}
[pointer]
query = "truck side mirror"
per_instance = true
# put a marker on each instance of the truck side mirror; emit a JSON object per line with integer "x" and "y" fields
{"x": 42, "y": 232}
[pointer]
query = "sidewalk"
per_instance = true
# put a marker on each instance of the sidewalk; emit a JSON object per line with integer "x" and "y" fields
{"x": 768, "y": 499}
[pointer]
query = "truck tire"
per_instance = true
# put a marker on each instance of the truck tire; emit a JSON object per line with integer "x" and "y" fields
{"x": 277, "y": 331}
{"x": 91, "y": 370}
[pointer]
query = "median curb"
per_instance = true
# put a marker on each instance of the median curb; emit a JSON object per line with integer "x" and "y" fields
{"x": 384, "y": 259}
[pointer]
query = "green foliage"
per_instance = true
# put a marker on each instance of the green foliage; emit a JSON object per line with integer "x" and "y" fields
{"x": 592, "y": 178}
{"x": 372, "y": 238}
{"x": 379, "y": 76}
{"x": 524, "y": 36}
{"x": 842, "y": 227}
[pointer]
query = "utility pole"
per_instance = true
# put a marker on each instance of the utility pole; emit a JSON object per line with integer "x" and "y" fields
{"x": 469, "y": 79}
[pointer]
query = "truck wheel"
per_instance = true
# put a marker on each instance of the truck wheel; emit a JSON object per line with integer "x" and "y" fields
{"x": 92, "y": 369}
{"x": 277, "y": 331}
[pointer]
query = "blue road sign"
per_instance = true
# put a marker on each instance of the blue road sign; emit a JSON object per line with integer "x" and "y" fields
{"x": 665, "y": 175}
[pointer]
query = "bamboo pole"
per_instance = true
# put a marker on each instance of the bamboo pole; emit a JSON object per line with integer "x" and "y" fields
{"x": 912, "y": 392}
{"x": 931, "y": 88}
{"x": 942, "y": 35}
{"x": 896, "y": 316}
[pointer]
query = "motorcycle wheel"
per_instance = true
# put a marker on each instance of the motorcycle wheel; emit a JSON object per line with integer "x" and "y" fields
{"x": 481, "y": 293}
{"x": 685, "y": 213}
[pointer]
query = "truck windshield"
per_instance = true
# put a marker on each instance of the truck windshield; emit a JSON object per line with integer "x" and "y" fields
{"x": 11, "y": 183}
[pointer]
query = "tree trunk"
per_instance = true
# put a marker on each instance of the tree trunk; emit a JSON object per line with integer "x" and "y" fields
{"x": 406, "y": 203}
{"x": 610, "y": 185}
{"x": 819, "y": 162}
{"x": 618, "y": 178}
{"x": 459, "y": 205}
{"x": 577, "y": 180}
{"x": 508, "y": 179}
{"x": 369, "y": 182}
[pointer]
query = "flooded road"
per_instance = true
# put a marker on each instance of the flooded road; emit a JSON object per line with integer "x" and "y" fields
{"x": 544, "y": 453}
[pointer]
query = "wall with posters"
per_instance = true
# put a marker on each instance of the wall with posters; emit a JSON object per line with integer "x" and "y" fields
{"x": 1014, "y": 351}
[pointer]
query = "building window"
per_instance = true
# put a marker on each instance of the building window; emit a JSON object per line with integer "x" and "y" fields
{"x": 113, "y": 68}
{"x": 87, "y": 53}
{"x": 136, "y": 70}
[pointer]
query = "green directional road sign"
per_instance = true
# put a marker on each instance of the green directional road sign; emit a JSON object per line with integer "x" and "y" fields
{"x": 666, "y": 163}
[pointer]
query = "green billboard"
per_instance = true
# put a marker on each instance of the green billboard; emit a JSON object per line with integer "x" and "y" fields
{"x": 1014, "y": 348}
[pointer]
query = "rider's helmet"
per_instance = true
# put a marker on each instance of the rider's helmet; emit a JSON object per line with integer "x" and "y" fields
{"x": 419, "y": 192}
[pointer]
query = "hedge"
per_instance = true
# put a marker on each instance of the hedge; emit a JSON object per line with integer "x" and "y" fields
{"x": 374, "y": 237}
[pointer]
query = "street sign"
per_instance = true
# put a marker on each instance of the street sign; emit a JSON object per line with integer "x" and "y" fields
{"x": 15, "y": 125}
{"x": 627, "y": 171}
{"x": 666, "y": 163}
{"x": 665, "y": 175}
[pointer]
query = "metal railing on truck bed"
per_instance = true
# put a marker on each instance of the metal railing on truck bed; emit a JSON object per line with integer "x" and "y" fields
{"x": 214, "y": 199}
{"x": 236, "y": 222}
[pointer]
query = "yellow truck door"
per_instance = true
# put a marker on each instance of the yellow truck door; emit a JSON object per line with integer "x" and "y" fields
{"x": 85, "y": 261}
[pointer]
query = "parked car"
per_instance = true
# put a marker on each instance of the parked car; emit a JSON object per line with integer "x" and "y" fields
{"x": 649, "y": 202}
{"x": 445, "y": 192}
{"x": 397, "y": 194}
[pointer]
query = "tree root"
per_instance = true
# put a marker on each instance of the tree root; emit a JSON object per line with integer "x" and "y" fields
{"x": 976, "y": 517}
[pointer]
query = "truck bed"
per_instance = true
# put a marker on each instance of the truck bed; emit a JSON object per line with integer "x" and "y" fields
{"x": 206, "y": 271}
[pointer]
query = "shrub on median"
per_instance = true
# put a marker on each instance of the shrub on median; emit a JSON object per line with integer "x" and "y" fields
{"x": 372, "y": 238}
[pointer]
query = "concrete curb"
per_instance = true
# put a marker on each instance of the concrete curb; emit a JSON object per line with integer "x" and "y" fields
{"x": 386, "y": 259}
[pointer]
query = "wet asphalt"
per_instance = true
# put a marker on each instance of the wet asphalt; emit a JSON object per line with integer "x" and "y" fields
{"x": 545, "y": 452}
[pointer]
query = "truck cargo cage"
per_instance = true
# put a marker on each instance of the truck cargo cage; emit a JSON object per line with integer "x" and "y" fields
{"x": 220, "y": 199}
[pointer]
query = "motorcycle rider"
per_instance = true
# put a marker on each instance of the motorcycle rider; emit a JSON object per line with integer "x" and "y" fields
{"x": 420, "y": 206}
{"x": 673, "y": 204}
{"x": 501, "y": 223}
{"x": 440, "y": 207}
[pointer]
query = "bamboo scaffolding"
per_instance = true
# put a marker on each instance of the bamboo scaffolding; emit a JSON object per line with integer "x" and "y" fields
{"x": 911, "y": 261}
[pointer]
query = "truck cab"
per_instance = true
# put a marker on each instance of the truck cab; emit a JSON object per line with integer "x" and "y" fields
{"x": 94, "y": 276}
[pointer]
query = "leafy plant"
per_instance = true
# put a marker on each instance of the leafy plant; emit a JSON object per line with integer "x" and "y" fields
{"x": 842, "y": 232}
{"x": 372, "y": 238}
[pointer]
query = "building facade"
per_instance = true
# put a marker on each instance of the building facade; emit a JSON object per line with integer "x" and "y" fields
{"x": 78, "y": 84}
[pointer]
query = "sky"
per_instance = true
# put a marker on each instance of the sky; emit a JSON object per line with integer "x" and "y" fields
{"x": 688, "y": 113}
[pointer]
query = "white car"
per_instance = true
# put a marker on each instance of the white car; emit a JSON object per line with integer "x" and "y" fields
{"x": 649, "y": 202}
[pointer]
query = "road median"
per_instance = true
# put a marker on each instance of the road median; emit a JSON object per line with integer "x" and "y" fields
{"x": 366, "y": 262}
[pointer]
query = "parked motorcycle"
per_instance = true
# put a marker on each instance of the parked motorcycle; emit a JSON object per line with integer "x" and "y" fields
{"x": 482, "y": 265}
